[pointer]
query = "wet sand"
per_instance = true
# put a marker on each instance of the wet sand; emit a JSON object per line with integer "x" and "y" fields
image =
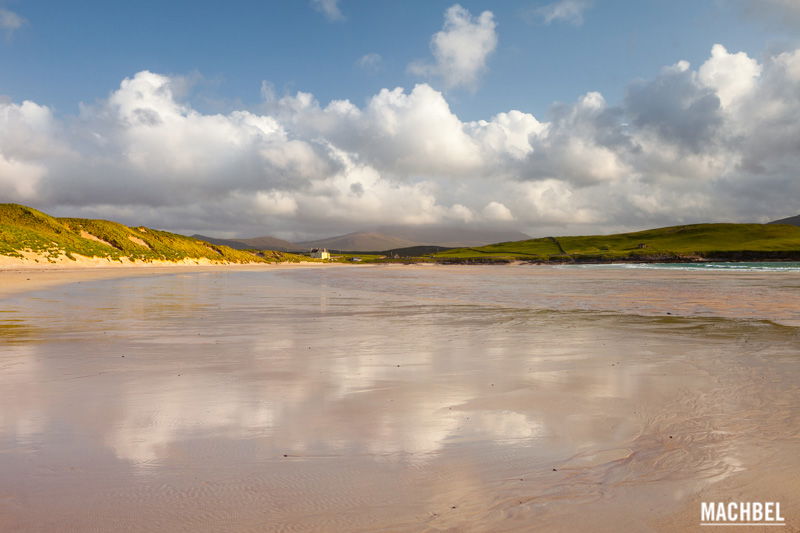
{"x": 398, "y": 399}
{"x": 16, "y": 279}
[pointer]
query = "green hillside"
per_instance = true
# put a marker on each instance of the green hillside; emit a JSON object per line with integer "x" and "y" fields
{"x": 23, "y": 229}
{"x": 693, "y": 242}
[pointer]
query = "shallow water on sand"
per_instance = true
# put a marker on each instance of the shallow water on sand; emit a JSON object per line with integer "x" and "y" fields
{"x": 419, "y": 398}
{"x": 759, "y": 295}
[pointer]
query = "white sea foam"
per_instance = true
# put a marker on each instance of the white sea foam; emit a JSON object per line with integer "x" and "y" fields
{"x": 741, "y": 267}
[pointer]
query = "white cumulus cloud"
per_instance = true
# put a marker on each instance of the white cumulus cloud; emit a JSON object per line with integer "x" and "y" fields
{"x": 720, "y": 141}
{"x": 329, "y": 8}
{"x": 732, "y": 76}
{"x": 497, "y": 211}
{"x": 461, "y": 49}
{"x": 371, "y": 61}
{"x": 570, "y": 11}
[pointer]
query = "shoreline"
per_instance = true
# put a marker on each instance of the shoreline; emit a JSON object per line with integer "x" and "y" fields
{"x": 29, "y": 277}
{"x": 620, "y": 261}
{"x": 26, "y": 277}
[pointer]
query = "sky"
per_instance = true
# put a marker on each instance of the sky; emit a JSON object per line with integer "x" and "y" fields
{"x": 309, "y": 118}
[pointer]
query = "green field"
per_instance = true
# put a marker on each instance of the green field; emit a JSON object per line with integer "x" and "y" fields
{"x": 23, "y": 229}
{"x": 676, "y": 243}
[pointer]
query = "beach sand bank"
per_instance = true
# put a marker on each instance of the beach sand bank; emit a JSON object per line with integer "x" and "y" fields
{"x": 396, "y": 398}
{"x": 18, "y": 277}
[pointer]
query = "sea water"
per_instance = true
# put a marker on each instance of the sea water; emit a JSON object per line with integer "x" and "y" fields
{"x": 764, "y": 266}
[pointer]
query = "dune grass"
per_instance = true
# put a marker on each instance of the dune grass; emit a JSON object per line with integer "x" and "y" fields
{"x": 26, "y": 229}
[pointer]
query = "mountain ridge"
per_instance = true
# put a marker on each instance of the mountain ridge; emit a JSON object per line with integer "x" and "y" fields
{"x": 359, "y": 241}
{"x": 381, "y": 239}
{"x": 792, "y": 221}
{"x": 253, "y": 243}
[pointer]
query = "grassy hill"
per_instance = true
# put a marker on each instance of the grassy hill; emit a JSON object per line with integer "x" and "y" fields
{"x": 677, "y": 243}
{"x": 23, "y": 229}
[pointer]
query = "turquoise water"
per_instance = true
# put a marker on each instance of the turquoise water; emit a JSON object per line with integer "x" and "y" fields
{"x": 775, "y": 266}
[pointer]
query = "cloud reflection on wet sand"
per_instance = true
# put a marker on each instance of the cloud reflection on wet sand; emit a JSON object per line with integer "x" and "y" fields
{"x": 307, "y": 401}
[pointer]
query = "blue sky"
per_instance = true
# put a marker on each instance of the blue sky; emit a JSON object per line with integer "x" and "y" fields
{"x": 633, "y": 126}
{"x": 70, "y": 52}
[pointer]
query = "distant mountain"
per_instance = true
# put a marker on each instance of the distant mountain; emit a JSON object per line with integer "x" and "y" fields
{"x": 255, "y": 243}
{"x": 236, "y": 245}
{"x": 269, "y": 243}
{"x": 452, "y": 236}
{"x": 383, "y": 238}
{"x": 359, "y": 242}
{"x": 398, "y": 237}
{"x": 794, "y": 221}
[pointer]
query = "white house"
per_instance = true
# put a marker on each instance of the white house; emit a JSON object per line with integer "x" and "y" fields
{"x": 320, "y": 253}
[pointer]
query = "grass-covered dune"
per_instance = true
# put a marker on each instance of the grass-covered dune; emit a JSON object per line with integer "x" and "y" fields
{"x": 25, "y": 231}
{"x": 696, "y": 242}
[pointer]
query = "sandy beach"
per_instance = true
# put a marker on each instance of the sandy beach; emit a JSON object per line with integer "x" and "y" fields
{"x": 17, "y": 277}
{"x": 394, "y": 398}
